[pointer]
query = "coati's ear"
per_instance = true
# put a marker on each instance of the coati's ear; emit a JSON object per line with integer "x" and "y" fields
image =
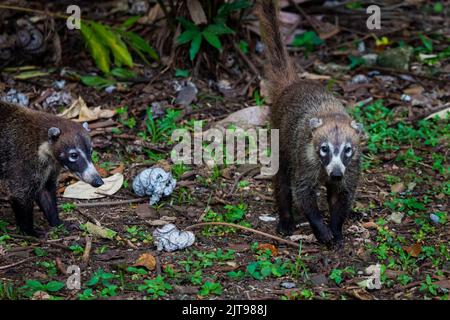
{"x": 314, "y": 123}
{"x": 86, "y": 126}
{"x": 359, "y": 128}
{"x": 53, "y": 134}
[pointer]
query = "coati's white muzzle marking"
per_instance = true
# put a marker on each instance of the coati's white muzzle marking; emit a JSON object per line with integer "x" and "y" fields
{"x": 90, "y": 173}
{"x": 335, "y": 164}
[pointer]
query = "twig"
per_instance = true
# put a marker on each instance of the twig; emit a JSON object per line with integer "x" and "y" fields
{"x": 291, "y": 243}
{"x": 16, "y": 263}
{"x": 87, "y": 249}
{"x": 246, "y": 59}
{"x": 109, "y": 203}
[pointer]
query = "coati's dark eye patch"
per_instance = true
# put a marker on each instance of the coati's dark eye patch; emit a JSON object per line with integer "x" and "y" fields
{"x": 324, "y": 149}
{"x": 348, "y": 150}
{"x": 73, "y": 156}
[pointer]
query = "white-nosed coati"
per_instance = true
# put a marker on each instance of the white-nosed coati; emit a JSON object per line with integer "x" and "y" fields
{"x": 319, "y": 142}
{"x": 33, "y": 148}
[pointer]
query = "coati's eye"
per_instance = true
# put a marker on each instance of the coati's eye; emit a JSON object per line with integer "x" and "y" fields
{"x": 348, "y": 151}
{"x": 324, "y": 150}
{"x": 73, "y": 156}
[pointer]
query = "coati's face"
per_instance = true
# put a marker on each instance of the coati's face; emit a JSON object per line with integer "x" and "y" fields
{"x": 336, "y": 143}
{"x": 73, "y": 150}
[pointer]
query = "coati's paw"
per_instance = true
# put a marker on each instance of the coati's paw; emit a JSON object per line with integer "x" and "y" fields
{"x": 32, "y": 232}
{"x": 71, "y": 226}
{"x": 286, "y": 227}
{"x": 324, "y": 235}
{"x": 355, "y": 216}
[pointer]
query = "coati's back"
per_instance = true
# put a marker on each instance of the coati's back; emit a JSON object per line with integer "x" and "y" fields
{"x": 292, "y": 98}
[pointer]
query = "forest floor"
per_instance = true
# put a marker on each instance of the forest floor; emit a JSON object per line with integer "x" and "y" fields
{"x": 401, "y": 223}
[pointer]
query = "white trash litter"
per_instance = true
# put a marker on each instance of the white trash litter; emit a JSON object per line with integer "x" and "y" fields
{"x": 169, "y": 238}
{"x": 154, "y": 182}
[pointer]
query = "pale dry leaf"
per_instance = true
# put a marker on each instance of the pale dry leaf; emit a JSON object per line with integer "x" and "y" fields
{"x": 98, "y": 231}
{"x": 83, "y": 190}
{"x": 79, "y": 111}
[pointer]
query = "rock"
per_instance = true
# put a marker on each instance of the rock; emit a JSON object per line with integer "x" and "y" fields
{"x": 153, "y": 182}
{"x": 397, "y": 58}
{"x": 319, "y": 279}
{"x": 359, "y": 78}
{"x": 288, "y": 285}
{"x": 370, "y": 59}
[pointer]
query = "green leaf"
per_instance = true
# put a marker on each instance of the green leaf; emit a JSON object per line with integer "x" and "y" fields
{"x": 96, "y": 81}
{"x": 115, "y": 44}
{"x": 181, "y": 73}
{"x": 308, "y": 39}
{"x": 187, "y": 36}
{"x": 195, "y": 46}
{"x": 34, "y": 284}
{"x": 212, "y": 39}
{"x": 427, "y": 43}
{"x": 54, "y": 286}
{"x": 243, "y": 46}
{"x": 98, "y": 50}
{"x": 218, "y": 29}
{"x": 186, "y": 23}
{"x": 438, "y": 7}
{"x": 139, "y": 44}
{"x": 123, "y": 73}
{"x": 130, "y": 22}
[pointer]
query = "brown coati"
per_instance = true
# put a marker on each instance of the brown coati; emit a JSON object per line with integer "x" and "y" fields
{"x": 33, "y": 148}
{"x": 319, "y": 142}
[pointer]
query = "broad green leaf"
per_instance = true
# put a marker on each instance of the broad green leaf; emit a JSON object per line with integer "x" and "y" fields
{"x": 181, "y": 73}
{"x": 98, "y": 50}
{"x": 115, "y": 44}
{"x": 427, "y": 43}
{"x": 212, "y": 39}
{"x": 219, "y": 29}
{"x": 195, "y": 46}
{"x": 186, "y": 23}
{"x": 187, "y": 36}
{"x": 54, "y": 286}
{"x": 138, "y": 43}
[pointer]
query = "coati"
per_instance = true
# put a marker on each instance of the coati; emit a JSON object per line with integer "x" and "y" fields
{"x": 33, "y": 148}
{"x": 319, "y": 141}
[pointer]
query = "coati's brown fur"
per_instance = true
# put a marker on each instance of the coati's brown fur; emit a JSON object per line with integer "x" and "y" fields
{"x": 307, "y": 117}
{"x": 33, "y": 148}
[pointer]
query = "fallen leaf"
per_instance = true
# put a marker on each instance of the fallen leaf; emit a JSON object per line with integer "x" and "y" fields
{"x": 145, "y": 211}
{"x": 398, "y": 187}
{"x": 83, "y": 190}
{"x": 396, "y": 217}
{"x": 99, "y": 231}
{"x": 442, "y": 114}
{"x": 163, "y": 221}
{"x": 146, "y": 260}
{"x": 414, "y": 250}
{"x": 79, "y": 111}
{"x": 271, "y": 247}
{"x": 119, "y": 169}
{"x": 370, "y": 225}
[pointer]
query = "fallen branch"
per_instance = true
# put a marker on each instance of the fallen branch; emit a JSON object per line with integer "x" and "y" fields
{"x": 87, "y": 249}
{"x": 267, "y": 235}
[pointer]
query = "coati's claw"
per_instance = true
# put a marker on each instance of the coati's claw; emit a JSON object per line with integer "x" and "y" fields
{"x": 324, "y": 235}
{"x": 285, "y": 228}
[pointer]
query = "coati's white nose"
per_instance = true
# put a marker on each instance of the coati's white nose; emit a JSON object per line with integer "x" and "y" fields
{"x": 91, "y": 176}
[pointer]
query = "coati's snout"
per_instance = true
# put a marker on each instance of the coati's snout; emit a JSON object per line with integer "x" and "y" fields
{"x": 335, "y": 141}
{"x": 75, "y": 155}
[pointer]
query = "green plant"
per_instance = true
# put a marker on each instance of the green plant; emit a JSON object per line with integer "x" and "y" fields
{"x": 155, "y": 287}
{"x": 102, "y": 280}
{"x": 211, "y": 33}
{"x": 429, "y": 286}
{"x": 31, "y": 286}
{"x": 210, "y": 288}
{"x": 308, "y": 39}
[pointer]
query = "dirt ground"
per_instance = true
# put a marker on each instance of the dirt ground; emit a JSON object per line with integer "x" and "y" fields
{"x": 405, "y": 179}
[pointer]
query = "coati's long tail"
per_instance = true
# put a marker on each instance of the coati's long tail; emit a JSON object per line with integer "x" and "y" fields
{"x": 279, "y": 69}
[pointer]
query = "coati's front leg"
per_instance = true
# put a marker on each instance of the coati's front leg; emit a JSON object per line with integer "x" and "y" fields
{"x": 46, "y": 200}
{"x": 283, "y": 197}
{"x": 23, "y": 210}
{"x": 305, "y": 200}
{"x": 339, "y": 204}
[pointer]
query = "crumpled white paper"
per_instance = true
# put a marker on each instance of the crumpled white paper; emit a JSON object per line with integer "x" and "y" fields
{"x": 169, "y": 238}
{"x": 154, "y": 182}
